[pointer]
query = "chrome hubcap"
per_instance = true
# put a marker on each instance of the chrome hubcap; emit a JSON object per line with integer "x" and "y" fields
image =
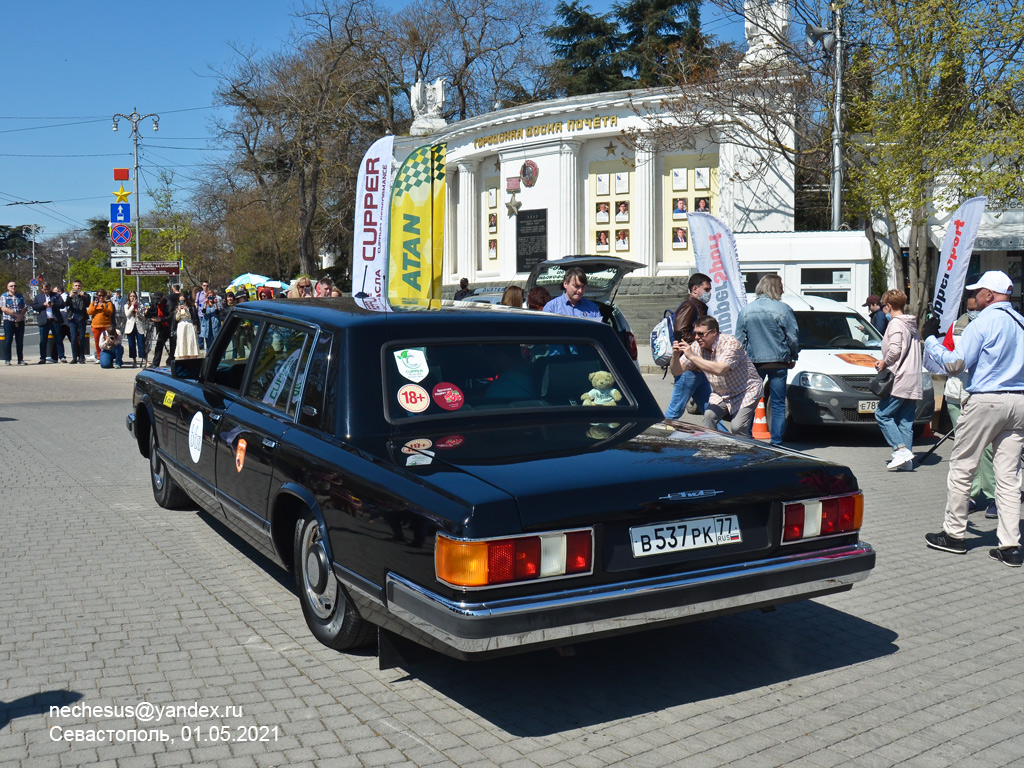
{"x": 322, "y": 591}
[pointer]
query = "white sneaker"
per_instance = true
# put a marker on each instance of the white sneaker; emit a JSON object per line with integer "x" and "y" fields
{"x": 901, "y": 457}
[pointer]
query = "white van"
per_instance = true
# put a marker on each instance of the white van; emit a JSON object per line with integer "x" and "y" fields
{"x": 838, "y": 350}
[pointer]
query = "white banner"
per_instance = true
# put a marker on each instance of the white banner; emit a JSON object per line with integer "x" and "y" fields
{"x": 954, "y": 259}
{"x": 715, "y": 250}
{"x": 370, "y": 238}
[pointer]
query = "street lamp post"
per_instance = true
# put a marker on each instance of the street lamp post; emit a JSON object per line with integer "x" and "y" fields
{"x": 35, "y": 233}
{"x": 832, "y": 41}
{"x": 135, "y": 118}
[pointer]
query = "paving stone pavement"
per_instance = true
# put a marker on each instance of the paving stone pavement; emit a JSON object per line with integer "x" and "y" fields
{"x": 108, "y": 601}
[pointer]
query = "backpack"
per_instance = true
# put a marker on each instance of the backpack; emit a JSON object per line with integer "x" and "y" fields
{"x": 661, "y": 339}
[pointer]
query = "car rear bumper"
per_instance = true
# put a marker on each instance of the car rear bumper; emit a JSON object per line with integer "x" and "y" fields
{"x": 470, "y": 629}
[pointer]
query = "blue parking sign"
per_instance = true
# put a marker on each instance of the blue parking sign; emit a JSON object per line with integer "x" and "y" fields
{"x": 120, "y": 213}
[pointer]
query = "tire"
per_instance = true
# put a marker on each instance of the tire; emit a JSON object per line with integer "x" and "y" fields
{"x": 167, "y": 493}
{"x": 329, "y": 613}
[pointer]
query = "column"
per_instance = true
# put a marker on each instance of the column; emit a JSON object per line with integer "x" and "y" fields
{"x": 468, "y": 241}
{"x": 644, "y": 237}
{"x": 452, "y": 266}
{"x": 571, "y": 223}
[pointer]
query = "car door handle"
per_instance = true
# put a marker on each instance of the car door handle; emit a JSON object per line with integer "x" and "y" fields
{"x": 215, "y": 417}
{"x": 269, "y": 444}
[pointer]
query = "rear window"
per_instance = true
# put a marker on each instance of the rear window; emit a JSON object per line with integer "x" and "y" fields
{"x": 454, "y": 379}
{"x": 600, "y": 282}
{"x": 831, "y": 330}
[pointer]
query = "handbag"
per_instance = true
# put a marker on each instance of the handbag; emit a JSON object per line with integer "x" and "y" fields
{"x": 881, "y": 383}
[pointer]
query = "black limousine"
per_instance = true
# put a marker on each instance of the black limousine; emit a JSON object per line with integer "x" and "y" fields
{"x": 461, "y": 478}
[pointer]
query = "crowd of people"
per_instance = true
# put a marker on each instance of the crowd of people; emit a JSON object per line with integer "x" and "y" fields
{"x": 182, "y": 323}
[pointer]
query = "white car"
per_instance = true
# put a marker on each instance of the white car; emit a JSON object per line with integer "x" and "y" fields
{"x": 838, "y": 350}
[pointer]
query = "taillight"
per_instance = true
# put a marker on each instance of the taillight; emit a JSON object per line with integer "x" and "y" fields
{"x": 632, "y": 344}
{"x": 822, "y": 517}
{"x": 511, "y": 560}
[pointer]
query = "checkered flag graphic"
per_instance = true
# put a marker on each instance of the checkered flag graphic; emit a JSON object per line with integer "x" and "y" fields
{"x": 415, "y": 172}
{"x": 440, "y": 154}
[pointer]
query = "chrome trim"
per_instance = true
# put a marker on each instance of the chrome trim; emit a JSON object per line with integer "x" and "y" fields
{"x": 129, "y": 421}
{"x": 442, "y": 618}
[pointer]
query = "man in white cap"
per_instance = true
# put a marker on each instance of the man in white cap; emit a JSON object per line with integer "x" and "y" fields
{"x": 992, "y": 350}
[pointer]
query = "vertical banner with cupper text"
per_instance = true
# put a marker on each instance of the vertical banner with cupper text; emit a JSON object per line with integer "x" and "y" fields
{"x": 370, "y": 239}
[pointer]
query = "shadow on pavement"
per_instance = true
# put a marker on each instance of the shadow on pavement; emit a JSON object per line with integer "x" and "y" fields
{"x": 541, "y": 693}
{"x": 36, "y": 704}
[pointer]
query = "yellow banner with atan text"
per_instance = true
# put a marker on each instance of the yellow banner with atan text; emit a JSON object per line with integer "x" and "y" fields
{"x": 417, "y": 229}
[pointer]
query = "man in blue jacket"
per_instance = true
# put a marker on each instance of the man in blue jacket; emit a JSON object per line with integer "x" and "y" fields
{"x": 767, "y": 329}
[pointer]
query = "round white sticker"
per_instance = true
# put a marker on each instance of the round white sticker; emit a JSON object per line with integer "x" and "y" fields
{"x": 412, "y": 364}
{"x": 413, "y": 398}
{"x": 195, "y": 437}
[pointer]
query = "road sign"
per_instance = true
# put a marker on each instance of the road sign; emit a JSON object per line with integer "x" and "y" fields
{"x": 120, "y": 262}
{"x": 120, "y": 234}
{"x": 120, "y": 251}
{"x": 120, "y": 213}
{"x": 153, "y": 268}
{"x": 120, "y": 174}
{"x": 35, "y": 284}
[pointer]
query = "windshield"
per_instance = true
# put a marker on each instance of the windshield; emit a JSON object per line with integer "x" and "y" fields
{"x": 829, "y": 330}
{"x": 455, "y": 378}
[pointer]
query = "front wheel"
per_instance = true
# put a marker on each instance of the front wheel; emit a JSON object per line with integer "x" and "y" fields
{"x": 329, "y": 613}
{"x": 167, "y": 493}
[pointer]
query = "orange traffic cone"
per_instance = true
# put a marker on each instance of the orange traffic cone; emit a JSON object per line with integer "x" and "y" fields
{"x": 760, "y": 429}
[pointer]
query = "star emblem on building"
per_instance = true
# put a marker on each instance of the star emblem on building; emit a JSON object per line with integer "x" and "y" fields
{"x": 610, "y": 149}
{"x": 121, "y": 195}
{"x": 497, "y": 164}
{"x": 513, "y": 206}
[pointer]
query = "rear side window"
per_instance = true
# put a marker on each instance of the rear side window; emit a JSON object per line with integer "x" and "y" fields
{"x": 457, "y": 379}
{"x": 236, "y": 348}
{"x": 279, "y": 366}
{"x": 317, "y": 409}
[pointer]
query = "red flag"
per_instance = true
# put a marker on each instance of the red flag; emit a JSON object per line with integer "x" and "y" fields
{"x": 947, "y": 341}
{"x": 121, "y": 174}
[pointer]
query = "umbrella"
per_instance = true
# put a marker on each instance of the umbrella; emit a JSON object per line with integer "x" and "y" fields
{"x": 249, "y": 279}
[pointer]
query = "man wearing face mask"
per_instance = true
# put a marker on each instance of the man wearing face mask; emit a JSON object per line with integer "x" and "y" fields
{"x": 691, "y": 383}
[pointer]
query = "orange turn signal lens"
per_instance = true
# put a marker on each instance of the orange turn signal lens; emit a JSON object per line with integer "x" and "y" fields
{"x": 462, "y": 563}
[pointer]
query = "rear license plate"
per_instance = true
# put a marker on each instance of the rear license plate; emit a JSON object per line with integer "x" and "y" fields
{"x": 685, "y": 534}
{"x": 867, "y": 406}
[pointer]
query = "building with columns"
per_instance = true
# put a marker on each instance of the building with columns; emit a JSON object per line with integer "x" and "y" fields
{"x": 559, "y": 177}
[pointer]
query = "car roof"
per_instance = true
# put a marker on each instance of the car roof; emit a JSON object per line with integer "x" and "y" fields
{"x": 800, "y": 303}
{"x": 344, "y": 311}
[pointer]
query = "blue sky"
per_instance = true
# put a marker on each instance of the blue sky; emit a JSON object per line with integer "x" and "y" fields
{"x": 70, "y": 66}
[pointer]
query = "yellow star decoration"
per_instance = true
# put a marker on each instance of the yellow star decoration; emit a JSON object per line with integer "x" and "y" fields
{"x": 121, "y": 195}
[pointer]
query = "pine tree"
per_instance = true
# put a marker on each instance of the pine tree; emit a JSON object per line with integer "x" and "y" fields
{"x": 656, "y": 35}
{"x": 586, "y": 50}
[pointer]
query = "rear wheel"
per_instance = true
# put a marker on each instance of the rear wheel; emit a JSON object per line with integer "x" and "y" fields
{"x": 329, "y": 613}
{"x": 167, "y": 493}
